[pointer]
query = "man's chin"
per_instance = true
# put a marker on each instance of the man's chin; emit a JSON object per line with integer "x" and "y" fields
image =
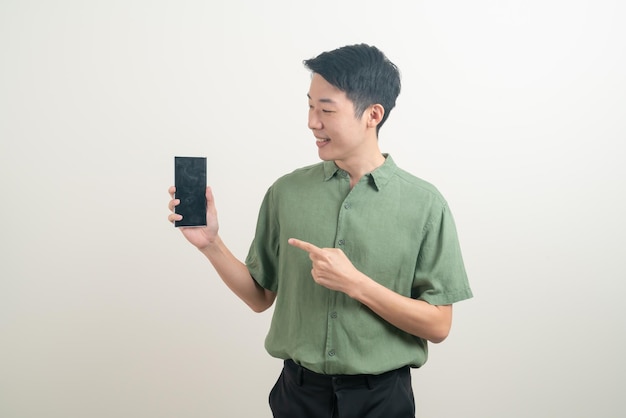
{"x": 325, "y": 156}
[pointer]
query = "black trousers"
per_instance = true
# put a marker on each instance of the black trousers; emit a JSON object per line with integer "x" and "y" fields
{"x": 301, "y": 393}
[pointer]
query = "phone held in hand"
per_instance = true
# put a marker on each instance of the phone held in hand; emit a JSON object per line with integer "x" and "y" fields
{"x": 190, "y": 182}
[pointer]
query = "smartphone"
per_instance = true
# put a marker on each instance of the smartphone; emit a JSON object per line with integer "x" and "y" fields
{"x": 190, "y": 182}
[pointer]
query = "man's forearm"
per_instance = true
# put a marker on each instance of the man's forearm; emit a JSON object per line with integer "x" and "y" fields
{"x": 236, "y": 276}
{"x": 416, "y": 317}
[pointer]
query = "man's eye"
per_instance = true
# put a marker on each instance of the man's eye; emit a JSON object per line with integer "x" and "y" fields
{"x": 327, "y": 111}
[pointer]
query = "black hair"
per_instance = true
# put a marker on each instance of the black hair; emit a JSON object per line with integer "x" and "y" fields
{"x": 363, "y": 72}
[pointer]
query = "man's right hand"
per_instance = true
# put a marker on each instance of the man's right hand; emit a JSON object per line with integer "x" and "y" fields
{"x": 201, "y": 237}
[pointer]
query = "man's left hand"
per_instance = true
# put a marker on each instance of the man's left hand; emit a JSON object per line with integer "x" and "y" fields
{"x": 331, "y": 267}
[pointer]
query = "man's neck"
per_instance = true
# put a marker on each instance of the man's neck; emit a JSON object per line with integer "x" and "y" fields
{"x": 357, "y": 168}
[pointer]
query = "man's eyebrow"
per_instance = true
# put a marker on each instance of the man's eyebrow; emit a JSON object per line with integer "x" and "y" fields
{"x": 331, "y": 101}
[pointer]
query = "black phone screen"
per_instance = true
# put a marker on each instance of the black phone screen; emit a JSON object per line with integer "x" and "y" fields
{"x": 190, "y": 182}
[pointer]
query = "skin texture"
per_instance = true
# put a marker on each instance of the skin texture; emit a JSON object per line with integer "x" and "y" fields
{"x": 352, "y": 143}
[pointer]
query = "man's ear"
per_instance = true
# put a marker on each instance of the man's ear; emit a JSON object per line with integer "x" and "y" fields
{"x": 375, "y": 114}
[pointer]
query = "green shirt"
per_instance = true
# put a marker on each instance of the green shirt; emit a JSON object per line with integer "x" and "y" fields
{"x": 394, "y": 227}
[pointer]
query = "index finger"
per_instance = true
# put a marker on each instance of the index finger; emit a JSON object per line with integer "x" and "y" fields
{"x": 303, "y": 245}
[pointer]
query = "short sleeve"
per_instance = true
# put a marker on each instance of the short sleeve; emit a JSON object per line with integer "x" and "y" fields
{"x": 262, "y": 258}
{"x": 440, "y": 276}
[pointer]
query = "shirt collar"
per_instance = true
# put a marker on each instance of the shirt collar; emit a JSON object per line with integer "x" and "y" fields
{"x": 378, "y": 178}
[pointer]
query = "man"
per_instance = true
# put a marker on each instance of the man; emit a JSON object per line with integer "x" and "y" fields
{"x": 361, "y": 257}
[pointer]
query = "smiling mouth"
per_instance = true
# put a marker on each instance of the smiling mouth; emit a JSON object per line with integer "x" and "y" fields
{"x": 322, "y": 142}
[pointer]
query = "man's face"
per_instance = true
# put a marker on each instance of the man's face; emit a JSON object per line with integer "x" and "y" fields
{"x": 340, "y": 134}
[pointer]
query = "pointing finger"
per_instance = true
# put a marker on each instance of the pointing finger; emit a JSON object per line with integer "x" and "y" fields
{"x": 303, "y": 245}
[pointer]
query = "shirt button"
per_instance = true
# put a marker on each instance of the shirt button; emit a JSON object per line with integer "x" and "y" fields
{"x": 347, "y": 206}
{"x": 333, "y": 315}
{"x": 341, "y": 242}
{"x": 331, "y": 353}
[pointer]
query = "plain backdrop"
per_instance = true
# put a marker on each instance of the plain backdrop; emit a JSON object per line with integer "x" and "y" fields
{"x": 515, "y": 110}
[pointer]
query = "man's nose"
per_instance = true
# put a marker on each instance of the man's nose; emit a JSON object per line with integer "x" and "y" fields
{"x": 314, "y": 121}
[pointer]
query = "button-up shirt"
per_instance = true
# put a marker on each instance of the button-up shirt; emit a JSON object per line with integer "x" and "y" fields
{"x": 394, "y": 227}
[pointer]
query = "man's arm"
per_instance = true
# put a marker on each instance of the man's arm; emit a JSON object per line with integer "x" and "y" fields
{"x": 233, "y": 272}
{"x": 333, "y": 269}
{"x": 414, "y": 316}
{"x": 236, "y": 276}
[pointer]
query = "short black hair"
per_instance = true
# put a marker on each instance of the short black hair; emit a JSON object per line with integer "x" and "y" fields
{"x": 363, "y": 72}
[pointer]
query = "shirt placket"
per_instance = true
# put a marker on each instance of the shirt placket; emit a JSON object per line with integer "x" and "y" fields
{"x": 333, "y": 351}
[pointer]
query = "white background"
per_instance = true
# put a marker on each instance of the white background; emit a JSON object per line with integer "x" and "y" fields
{"x": 515, "y": 110}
